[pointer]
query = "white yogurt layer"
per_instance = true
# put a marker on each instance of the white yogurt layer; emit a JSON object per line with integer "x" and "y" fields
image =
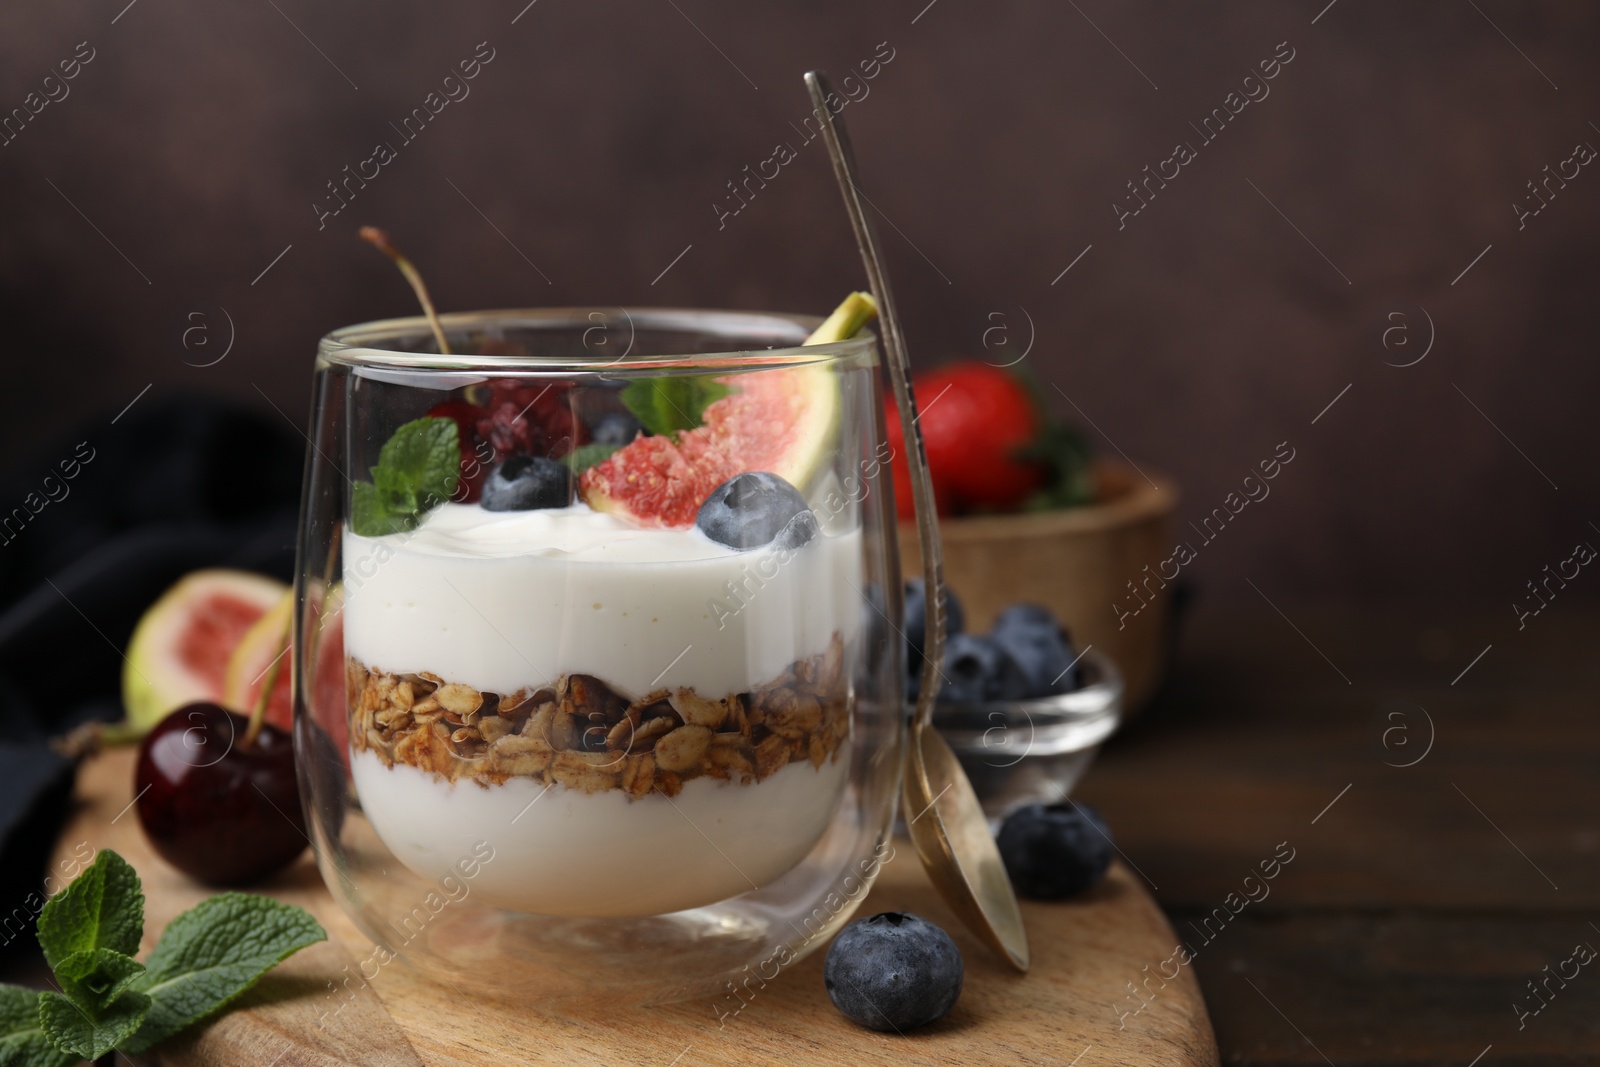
{"x": 506, "y": 600}
{"x": 558, "y": 851}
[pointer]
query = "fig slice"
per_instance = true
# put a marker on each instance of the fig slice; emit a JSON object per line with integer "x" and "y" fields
{"x": 779, "y": 421}
{"x": 180, "y": 649}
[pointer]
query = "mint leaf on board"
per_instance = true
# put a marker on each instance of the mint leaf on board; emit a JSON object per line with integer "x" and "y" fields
{"x": 418, "y": 469}
{"x": 97, "y": 978}
{"x": 102, "y": 908}
{"x": 207, "y": 956}
{"x": 99, "y": 1010}
{"x": 212, "y": 953}
{"x": 23, "y": 1042}
{"x": 669, "y": 404}
{"x": 583, "y": 457}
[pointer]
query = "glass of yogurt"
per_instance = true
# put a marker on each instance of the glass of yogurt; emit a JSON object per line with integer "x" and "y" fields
{"x": 597, "y": 691}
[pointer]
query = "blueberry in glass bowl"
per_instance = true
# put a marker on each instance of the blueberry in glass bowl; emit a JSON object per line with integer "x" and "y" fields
{"x": 1023, "y": 709}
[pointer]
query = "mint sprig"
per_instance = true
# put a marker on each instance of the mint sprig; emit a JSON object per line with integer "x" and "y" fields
{"x": 418, "y": 469}
{"x": 212, "y": 953}
{"x": 102, "y": 908}
{"x": 206, "y": 957}
{"x": 667, "y": 405}
{"x": 22, "y": 1038}
{"x": 96, "y": 1010}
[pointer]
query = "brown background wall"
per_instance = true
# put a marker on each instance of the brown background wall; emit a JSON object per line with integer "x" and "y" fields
{"x": 597, "y": 140}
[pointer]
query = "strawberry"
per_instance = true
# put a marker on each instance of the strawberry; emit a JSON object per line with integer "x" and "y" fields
{"x": 975, "y": 420}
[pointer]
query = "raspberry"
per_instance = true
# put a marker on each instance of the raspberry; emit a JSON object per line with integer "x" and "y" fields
{"x": 528, "y": 418}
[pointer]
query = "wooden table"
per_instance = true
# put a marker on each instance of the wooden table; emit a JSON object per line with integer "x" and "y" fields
{"x": 1421, "y": 898}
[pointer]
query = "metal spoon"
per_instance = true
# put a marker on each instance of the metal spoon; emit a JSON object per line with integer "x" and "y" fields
{"x": 942, "y": 813}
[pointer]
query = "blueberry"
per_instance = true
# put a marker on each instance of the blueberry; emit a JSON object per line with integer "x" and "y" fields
{"x": 799, "y": 530}
{"x": 617, "y": 428}
{"x": 1024, "y": 615}
{"x": 1054, "y": 851}
{"x": 976, "y": 668}
{"x": 523, "y": 483}
{"x": 1041, "y": 648}
{"x": 894, "y": 971}
{"x": 916, "y": 626}
{"x": 917, "y": 619}
{"x": 752, "y": 510}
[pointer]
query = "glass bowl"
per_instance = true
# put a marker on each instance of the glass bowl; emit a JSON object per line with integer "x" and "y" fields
{"x": 1033, "y": 751}
{"x": 558, "y": 754}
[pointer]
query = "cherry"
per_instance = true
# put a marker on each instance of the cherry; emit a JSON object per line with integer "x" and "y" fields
{"x": 219, "y": 806}
{"x": 516, "y": 418}
{"x": 476, "y": 455}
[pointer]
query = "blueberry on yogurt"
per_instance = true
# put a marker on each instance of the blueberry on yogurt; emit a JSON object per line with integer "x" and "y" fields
{"x": 523, "y": 483}
{"x": 755, "y": 509}
{"x": 614, "y": 428}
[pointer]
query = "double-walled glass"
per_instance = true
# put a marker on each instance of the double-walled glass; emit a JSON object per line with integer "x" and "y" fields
{"x": 583, "y": 748}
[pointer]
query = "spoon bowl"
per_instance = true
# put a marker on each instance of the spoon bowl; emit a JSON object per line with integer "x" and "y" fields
{"x": 951, "y": 836}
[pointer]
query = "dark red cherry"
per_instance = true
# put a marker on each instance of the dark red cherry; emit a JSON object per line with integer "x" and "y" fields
{"x": 476, "y": 455}
{"x": 222, "y": 812}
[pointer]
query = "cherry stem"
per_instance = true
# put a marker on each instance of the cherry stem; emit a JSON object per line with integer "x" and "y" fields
{"x": 380, "y": 240}
{"x": 258, "y": 716}
{"x": 89, "y": 738}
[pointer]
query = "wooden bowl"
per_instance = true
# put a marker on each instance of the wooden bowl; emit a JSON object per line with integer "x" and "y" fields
{"x": 1078, "y": 563}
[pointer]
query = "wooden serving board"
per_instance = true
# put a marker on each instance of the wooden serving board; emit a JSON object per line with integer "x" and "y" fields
{"x": 1067, "y": 1010}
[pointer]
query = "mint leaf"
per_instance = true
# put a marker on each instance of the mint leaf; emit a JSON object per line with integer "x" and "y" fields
{"x": 369, "y": 518}
{"x": 90, "y": 1033}
{"x": 212, "y": 953}
{"x": 667, "y": 405}
{"x": 583, "y": 457}
{"x": 22, "y": 1039}
{"x": 99, "y": 1010}
{"x": 417, "y": 470}
{"x": 1060, "y": 449}
{"x": 98, "y": 977}
{"x": 207, "y": 956}
{"x": 421, "y": 461}
{"x": 102, "y": 908}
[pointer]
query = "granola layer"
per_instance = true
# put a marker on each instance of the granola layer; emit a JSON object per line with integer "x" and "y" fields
{"x": 583, "y": 734}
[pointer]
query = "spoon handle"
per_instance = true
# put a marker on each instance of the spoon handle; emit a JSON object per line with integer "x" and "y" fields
{"x": 855, "y": 201}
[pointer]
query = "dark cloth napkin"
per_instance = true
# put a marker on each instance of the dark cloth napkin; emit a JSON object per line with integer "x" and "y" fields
{"x": 179, "y": 482}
